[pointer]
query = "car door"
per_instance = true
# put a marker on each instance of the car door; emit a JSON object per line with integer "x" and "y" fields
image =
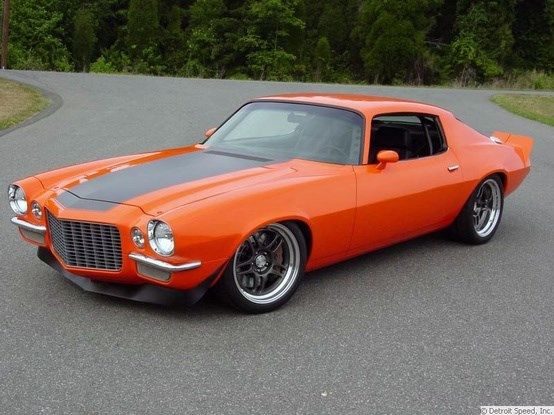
{"x": 406, "y": 198}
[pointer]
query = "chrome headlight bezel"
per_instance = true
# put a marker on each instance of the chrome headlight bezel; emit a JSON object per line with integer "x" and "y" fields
{"x": 160, "y": 237}
{"x": 36, "y": 210}
{"x": 17, "y": 199}
{"x": 137, "y": 236}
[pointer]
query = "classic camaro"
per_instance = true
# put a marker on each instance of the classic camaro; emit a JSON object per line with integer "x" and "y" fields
{"x": 285, "y": 185}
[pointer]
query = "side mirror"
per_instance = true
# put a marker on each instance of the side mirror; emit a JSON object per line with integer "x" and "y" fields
{"x": 209, "y": 132}
{"x": 386, "y": 156}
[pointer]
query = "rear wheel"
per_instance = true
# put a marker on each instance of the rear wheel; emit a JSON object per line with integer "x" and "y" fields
{"x": 480, "y": 217}
{"x": 265, "y": 269}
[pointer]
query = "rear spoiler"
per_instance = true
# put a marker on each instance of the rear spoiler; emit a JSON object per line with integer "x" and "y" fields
{"x": 521, "y": 143}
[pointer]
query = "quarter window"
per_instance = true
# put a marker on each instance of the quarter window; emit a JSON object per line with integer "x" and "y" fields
{"x": 410, "y": 135}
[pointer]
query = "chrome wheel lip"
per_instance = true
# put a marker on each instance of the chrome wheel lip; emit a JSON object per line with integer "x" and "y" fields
{"x": 486, "y": 211}
{"x": 291, "y": 274}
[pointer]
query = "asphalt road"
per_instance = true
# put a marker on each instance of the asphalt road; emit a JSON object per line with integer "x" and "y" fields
{"x": 428, "y": 326}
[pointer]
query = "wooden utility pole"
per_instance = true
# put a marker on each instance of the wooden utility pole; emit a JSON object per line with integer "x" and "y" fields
{"x": 5, "y": 34}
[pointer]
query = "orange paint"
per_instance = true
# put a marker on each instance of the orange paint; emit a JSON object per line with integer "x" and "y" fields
{"x": 348, "y": 210}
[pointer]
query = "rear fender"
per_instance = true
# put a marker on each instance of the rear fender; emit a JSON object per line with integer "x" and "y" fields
{"x": 522, "y": 144}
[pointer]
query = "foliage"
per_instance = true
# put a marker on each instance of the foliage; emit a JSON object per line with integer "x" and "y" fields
{"x": 84, "y": 38}
{"x": 210, "y": 39}
{"x": 36, "y": 36}
{"x": 172, "y": 41}
{"x": 265, "y": 43}
{"x": 142, "y": 28}
{"x": 532, "y": 79}
{"x": 102, "y": 66}
{"x": 467, "y": 42}
{"x": 322, "y": 56}
{"x": 484, "y": 43}
{"x": 393, "y": 37}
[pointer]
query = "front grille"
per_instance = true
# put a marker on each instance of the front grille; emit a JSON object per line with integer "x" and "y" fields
{"x": 85, "y": 244}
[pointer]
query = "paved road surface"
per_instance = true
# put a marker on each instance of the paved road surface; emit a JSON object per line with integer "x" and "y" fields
{"x": 429, "y": 326}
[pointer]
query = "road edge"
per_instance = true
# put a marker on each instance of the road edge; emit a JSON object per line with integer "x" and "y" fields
{"x": 54, "y": 104}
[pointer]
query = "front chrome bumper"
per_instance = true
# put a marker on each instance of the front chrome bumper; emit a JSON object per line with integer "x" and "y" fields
{"x": 29, "y": 226}
{"x": 159, "y": 270}
{"x": 164, "y": 266}
{"x": 32, "y": 232}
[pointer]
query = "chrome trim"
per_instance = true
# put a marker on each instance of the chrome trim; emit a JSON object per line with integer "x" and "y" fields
{"x": 29, "y": 226}
{"x": 156, "y": 263}
{"x": 85, "y": 244}
{"x": 453, "y": 167}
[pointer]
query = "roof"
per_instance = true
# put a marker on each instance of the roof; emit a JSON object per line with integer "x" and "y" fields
{"x": 362, "y": 103}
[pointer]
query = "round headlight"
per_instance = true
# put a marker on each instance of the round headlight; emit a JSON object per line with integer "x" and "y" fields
{"x": 36, "y": 209}
{"x": 18, "y": 201}
{"x": 160, "y": 237}
{"x": 138, "y": 237}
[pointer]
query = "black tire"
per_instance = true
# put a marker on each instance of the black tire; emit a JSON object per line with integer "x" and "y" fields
{"x": 468, "y": 226}
{"x": 238, "y": 295}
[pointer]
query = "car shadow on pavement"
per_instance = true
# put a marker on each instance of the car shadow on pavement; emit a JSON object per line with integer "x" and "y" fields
{"x": 320, "y": 280}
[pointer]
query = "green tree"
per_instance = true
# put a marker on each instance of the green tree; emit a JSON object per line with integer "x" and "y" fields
{"x": 333, "y": 24}
{"x": 142, "y": 26}
{"x": 533, "y": 32}
{"x": 173, "y": 40}
{"x": 84, "y": 38}
{"x": 36, "y": 36}
{"x": 393, "y": 35}
{"x": 331, "y": 19}
{"x": 483, "y": 45}
{"x": 549, "y": 55}
{"x": 211, "y": 38}
{"x": 322, "y": 55}
{"x": 387, "y": 41}
{"x": 266, "y": 41}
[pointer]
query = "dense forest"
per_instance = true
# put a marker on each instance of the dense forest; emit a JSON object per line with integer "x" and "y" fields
{"x": 466, "y": 42}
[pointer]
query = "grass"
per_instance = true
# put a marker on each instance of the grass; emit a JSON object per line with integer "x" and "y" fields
{"x": 535, "y": 107}
{"x": 18, "y": 102}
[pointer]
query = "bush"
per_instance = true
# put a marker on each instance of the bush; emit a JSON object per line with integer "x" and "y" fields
{"x": 192, "y": 69}
{"x": 102, "y": 66}
{"x": 239, "y": 76}
{"x": 525, "y": 80}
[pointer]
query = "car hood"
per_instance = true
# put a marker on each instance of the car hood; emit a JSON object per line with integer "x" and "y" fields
{"x": 170, "y": 179}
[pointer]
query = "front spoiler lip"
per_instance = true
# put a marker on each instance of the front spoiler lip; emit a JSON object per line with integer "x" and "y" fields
{"x": 146, "y": 293}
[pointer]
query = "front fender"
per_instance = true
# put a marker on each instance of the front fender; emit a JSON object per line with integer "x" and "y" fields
{"x": 213, "y": 228}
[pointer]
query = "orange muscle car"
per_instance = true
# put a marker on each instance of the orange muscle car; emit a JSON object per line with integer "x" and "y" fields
{"x": 287, "y": 184}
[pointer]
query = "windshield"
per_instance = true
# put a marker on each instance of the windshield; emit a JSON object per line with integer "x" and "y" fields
{"x": 278, "y": 130}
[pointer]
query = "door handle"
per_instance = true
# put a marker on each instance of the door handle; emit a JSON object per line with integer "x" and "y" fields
{"x": 454, "y": 167}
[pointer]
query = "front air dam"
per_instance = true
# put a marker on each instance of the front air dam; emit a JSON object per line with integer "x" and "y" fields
{"x": 146, "y": 293}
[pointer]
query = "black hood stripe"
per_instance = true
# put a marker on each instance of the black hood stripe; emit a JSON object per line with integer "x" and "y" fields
{"x": 69, "y": 200}
{"x": 123, "y": 185}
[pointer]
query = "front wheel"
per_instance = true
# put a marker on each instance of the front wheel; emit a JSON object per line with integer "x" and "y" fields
{"x": 480, "y": 217}
{"x": 265, "y": 269}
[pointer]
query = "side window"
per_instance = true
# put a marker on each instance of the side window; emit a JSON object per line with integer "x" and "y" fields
{"x": 435, "y": 134}
{"x": 410, "y": 135}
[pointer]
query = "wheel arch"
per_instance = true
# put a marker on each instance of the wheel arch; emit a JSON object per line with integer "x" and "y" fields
{"x": 503, "y": 177}
{"x": 302, "y": 222}
{"x": 306, "y": 232}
